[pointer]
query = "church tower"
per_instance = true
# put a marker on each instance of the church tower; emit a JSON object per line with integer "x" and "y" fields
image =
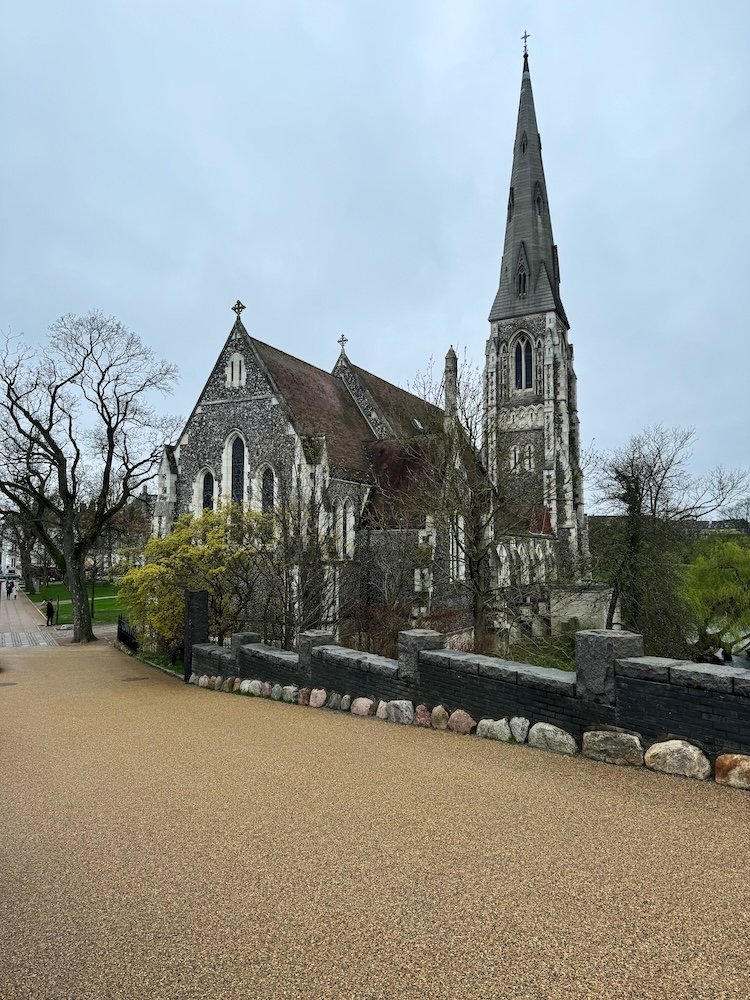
{"x": 531, "y": 420}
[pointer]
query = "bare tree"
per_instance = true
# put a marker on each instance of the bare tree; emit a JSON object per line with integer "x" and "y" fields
{"x": 78, "y": 437}
{"x": 655, "y": 501}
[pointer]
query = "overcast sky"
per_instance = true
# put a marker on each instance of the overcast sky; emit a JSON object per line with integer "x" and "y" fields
{"x": 342, "y": 166}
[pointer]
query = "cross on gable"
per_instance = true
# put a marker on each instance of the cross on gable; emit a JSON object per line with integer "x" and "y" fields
{"x": 238, "y": 307}
{"x": 524, "y": 38}
{"x": 342, "y": 340}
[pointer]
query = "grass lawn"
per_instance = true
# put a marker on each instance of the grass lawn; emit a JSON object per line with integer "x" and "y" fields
{"x": 105, "y": 610}
{"x": 59, "y": 592}
{"x": 106, "y": 602}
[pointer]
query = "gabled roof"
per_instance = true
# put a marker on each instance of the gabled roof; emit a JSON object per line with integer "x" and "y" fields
{"x": 320, "y": 405}
{"x": 401, "y": 408}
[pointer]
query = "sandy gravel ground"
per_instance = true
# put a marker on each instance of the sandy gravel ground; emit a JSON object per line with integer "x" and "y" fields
{"x": 161, "y": 841}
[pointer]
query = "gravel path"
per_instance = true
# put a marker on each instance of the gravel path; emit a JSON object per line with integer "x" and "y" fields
{"x": 162, "y": 841}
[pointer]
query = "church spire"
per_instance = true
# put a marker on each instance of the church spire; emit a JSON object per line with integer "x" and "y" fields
{"x": 529, "y": 274}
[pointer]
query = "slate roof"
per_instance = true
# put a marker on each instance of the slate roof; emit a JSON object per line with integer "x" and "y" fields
{"x": 400, "y": 407}
{"x": 320, "y": 405}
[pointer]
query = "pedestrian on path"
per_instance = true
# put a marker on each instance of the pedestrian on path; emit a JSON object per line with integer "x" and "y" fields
{"x": 48, "y": 607}
{"x": 14, "y": 591}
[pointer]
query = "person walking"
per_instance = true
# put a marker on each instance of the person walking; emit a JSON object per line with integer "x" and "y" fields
{"x": 48, "y": 607}
{"x": 14, "y": 591}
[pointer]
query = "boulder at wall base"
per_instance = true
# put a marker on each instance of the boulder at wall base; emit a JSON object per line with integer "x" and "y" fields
{"x": 545, "y": 736}
{"x": 193, "y": 679}
{"x": 333, "y": 701}
{"x": 237, "y": 684}
{"x": 678, "y": 757}
{"x": 203, "y": 681}
{"x": 422, "y": 716}
{"x": 277, "y": 692}
{"x": 346, "y": 703}
{"x": 289, "y": 693}
{"x": 461, "y": 722}
{"x": 613, "y": 748}
{"x": 245, "y": 687}
{"x": 303, "y": 698}
{"x": 265, "y": 689}
{"x": 318, "y": 697}
{"x": 228, "y": 685}
{"x": 733, "y": 769}
{"x": 217, "y": 682}
{"x": 382, "y": 710}
{"x": 363, "y": 706}
{"x": 519, "y": 728}
{"x": 490, "y": 730}
{"x": 401, "y": 712}
{"x": 255, "y": 688}
{"x": 439, "y": 717}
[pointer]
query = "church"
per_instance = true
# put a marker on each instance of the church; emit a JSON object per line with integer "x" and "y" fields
{"x": 270, "y": 429}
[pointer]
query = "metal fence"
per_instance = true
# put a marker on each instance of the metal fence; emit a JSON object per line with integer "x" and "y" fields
{"x": 126, "y": 634}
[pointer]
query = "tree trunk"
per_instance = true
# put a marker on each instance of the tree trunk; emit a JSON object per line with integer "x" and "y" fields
{"x": 75, "y": 581}
{"x": 28, "y": 577}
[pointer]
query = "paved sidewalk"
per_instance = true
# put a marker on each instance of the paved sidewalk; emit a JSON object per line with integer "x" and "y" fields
{"x": 164, "y": 842}
{"x": 22, "y": 623}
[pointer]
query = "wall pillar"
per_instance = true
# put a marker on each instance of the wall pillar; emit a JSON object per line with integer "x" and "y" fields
{"x": 196, "y": 626}
{"x": 307, "y": 641}
{"x": 243, "y": 639}
{"x": 410, "y": 644}
{"x": 596, "y": 652}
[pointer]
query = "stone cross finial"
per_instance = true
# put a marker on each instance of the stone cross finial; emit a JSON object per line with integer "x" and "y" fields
{"x": 342, "y": 340}
{"x": 238, "y": 307}
{"x": 524, "y": 38}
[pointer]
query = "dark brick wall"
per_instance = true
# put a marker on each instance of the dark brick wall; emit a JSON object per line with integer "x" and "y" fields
{"x": 488, "y": 698}
{"x": 273, "y": 671}
{"x": 360, "y": 683}
{"x": 718, "y": 722}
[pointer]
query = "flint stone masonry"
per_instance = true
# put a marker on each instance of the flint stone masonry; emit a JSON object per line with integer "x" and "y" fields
{"x": 596, "y": 652}
{"x": 624, "y": 749}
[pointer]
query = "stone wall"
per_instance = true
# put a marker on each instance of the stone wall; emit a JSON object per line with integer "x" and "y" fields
{"x": 709, "y": 705}
{"x": 613, "y": 688}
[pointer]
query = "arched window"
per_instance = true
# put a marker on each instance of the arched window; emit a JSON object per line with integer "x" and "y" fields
{"x": 510, "y": 205}
{"x": 524, "y": 359}
{"x": 208, "y": 491}
{"x": 267, "y": 492}
{"x": 524, "y": 144}
{"x": 521, "y": 280}
{"x": 538, "y": 204}
{"x": 238, "y": 470}
{"x": 236, "y": 372}
{"x": 348, "y": 530}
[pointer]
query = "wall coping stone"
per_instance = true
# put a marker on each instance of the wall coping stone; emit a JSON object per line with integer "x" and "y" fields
{"x": 707, "y": 676}
{"x": 269, "y": 653}
{"x": 547, "y": 678}
{"x": 456, "y": 659}
{"x": 646, "y": 668}
{"x": 367, "y": 662}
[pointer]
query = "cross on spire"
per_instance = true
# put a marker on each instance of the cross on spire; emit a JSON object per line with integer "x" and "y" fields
{"x": 524, "y": 38}
{"x": 238, "y": 307}
{"x": 342, "y": 340}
